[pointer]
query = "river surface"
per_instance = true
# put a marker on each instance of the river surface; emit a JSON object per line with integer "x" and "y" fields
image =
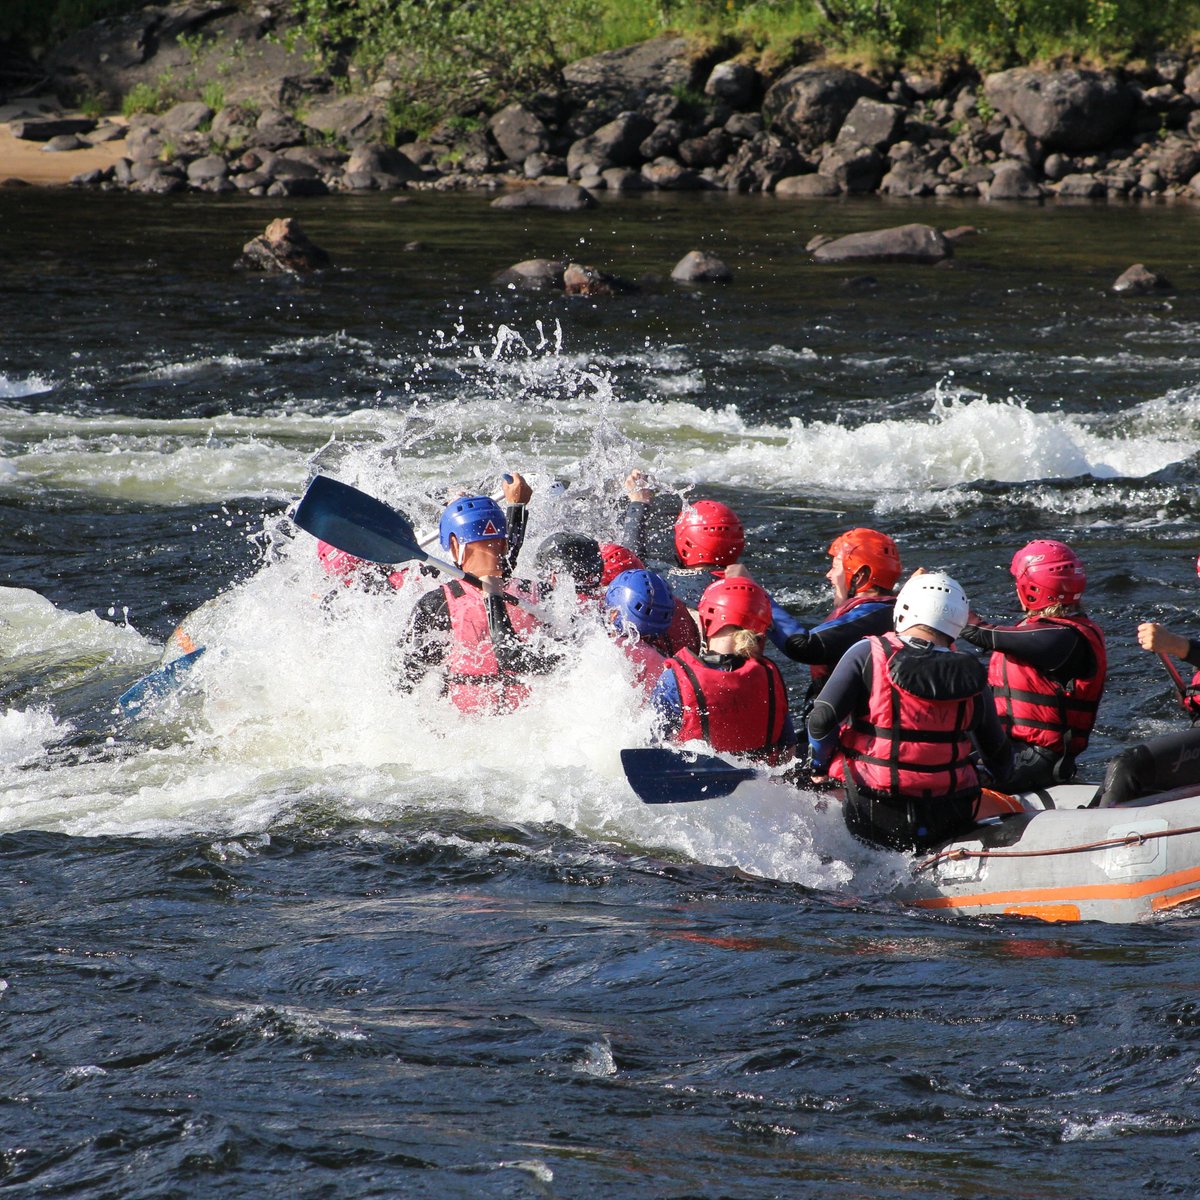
{"x": 294, "y": 933}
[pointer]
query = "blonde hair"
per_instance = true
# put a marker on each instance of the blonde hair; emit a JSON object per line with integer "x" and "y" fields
{"x": 1059, "y": 610}
{"x": 747, "y": 643}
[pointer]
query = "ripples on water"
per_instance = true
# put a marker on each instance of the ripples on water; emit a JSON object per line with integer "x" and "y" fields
{"x": 297, "y": 935}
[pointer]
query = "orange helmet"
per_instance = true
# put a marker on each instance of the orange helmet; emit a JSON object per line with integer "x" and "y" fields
{"x": 859, "y": 548}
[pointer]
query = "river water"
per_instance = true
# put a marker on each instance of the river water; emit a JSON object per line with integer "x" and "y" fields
{"x": 294, "y": 933}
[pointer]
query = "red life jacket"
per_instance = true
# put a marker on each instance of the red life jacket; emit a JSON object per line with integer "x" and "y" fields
{"x": 742, "y": 711}
{"x": 1036, "y": 709}
{"x": 647, "y": 662}
{"x": 474, "y": 681}
{"x": 821, "y": 671}
{"x": 906, "y": 745}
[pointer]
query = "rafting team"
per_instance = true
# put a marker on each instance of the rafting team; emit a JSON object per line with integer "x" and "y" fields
{"x": 910, "y": 727}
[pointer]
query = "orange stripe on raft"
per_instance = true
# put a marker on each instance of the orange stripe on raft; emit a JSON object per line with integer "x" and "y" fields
{"x": 1161, "y": 903}
{"x": 1095, "y": 891}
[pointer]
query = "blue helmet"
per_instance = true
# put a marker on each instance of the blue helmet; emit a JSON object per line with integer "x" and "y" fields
{"x": 642, "y": 600}
{"x": 472, "y": 519}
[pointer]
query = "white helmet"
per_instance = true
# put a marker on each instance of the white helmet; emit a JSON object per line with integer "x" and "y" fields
{"x": 933, "y": 599}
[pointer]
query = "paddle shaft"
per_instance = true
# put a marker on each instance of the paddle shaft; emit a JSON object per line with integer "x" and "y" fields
{"x": 1176, "y": 678}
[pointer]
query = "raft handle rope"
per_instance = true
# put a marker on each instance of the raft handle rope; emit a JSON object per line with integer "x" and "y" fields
{"x": 1130, "y": 839}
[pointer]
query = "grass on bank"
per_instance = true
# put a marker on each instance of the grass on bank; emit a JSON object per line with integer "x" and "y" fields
{"x": 469, "y": 56}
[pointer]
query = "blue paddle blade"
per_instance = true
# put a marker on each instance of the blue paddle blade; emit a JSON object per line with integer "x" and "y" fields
{"x": 356, "y": 523}
{"x": 662, "y": 776}
{"x": 157, "y": 684}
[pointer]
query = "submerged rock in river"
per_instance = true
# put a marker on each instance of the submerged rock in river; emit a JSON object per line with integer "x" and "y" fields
{"x": 904, "y": 243}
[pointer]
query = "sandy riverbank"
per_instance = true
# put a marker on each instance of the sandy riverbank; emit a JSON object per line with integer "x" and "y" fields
{"x": 25, "y": 160}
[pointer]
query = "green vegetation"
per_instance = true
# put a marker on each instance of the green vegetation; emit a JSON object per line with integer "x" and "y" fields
{"x": 455, "y": 57}
{"x": 482, "y": 52}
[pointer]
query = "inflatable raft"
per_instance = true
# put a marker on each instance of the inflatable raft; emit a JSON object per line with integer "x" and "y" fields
{"x": 1125, "y": 850}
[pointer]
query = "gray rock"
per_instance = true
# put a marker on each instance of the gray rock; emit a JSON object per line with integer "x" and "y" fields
{"x": 186, "y": 117}
{"x": 276, "y": 129}
{"x": 387, "y": 166}
{"x": 871, "y": 123}
{"x": 671, "y": 176}
{"x": 1021, "y": 146}
{"x": 349, "y": 120}
{"x": 122, "y": 172}
{"x": 743, "y": 126}
{"x": 1081, "y": 187}
{"x": 110, "y": 131}
{"x": 537, "y": 166}
{"x": 625, "y": 79}
{"x": 698, "y": 266}
{"x": 1074, "y": 111}
{"x": 1056, "y": 167}
{"x": 205, "y": 170}
{"x": 663, "y": 139}
{"x": 1138, "y": 280}
{"x": 809, "y": 104}
{"x": 298, "y": 186}
{"x": 534, "y": 273}
{"x": 581, "y": 280}
{"x": 90, "y": 178}
{"x": 612, "y": 145}
{"x": 63, "y": 142}
{"x": 1176, "y": 160}
{"x": 856, "y": 169}
{"x": 904, "y": 243}
{"x": 1013, "y": 181}
{"x": 807, "y": 187}
{"x": 283, "y": 247}
{"x": 909, "y": 179}
{"x": 519, "y": 133}
{"x": 159, "y": 183}
{"x": 568, "y": 198}
{"x": 711, "y": 150}
{"x": 625, "y": 179}
{"x": 759, "y": 164}
{"x": 143, "y": 142}
{"x": 248, "y": 180}
{"x": 42, "y": 129}
{"x": 734, "y": 82}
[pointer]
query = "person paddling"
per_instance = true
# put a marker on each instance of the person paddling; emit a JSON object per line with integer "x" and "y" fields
{"x": 1046, "y": 673}
{"x": 478, "y": 637}
{"x": 1158, "y": 639}
{"x": 900, "y": 718}
{"x": 863, "y": 575}
{"x": 729, "y": 696}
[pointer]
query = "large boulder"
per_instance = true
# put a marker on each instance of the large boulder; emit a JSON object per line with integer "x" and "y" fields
{"x": 904, "y": 243}
{"x": 349, "y": 120}
{"x": 533, "y": 273}
{"x": 1139, "y": 280}
{"x": 519, "y": 133}
{"x": 1013, "y": 181}
{"x": 1072, "y": 111}
{"x": 283, "y": 247}
{"x": 698, "y": 266}
{"x": 810, "y": 104}
{"x": 615, "y": 144}
{"x": 567, "y": 198}
{"x": 871, "y": 123}
{"x": 626, "y": 78}
{"x": 759, "y": 164}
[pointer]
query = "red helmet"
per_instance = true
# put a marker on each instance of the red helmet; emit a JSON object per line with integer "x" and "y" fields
{"x": 1048, "y": 572}
{"x": 739, "y": 602}
{"x": 617, "y": 559}
{"x": 708, "y": 534}
{"x": 859, "y": 548}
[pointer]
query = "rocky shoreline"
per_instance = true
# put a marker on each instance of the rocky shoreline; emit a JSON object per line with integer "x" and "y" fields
{"x": 256, "y": 116}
